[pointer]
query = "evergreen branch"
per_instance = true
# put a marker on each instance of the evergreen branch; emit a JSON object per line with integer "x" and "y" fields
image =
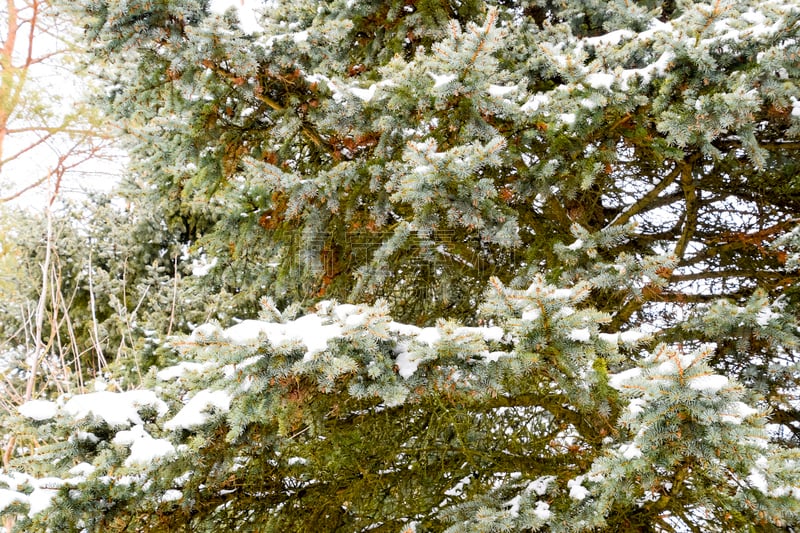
{"x": 622, "y": 316}
{"x": 692, "y": 208}
{"x": 645, "y": 200}
{"x": 669, "y": 296}
{"x": 308, "y": 130}
{"x": 733, "y": 241}
{"x": 730, "y": 273}
{"x": 590, "y": 430}
{"x": 728, "y": 144}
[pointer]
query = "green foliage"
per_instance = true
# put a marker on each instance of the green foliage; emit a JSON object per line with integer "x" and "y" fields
{"x": 119, "y": 285}
{"x": 590, "y": 205}
{"x": 536, "y": 433}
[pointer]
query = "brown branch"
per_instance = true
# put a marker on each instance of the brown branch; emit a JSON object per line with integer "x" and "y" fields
{"x": 58, "y": 129}
{"x": 645, "y": 200}
{"x": 757, "y": 237}
{"x": 22, "y": 191}
{"x": 692, "y": 207}
{"x": 625, "y": 313}
{"x": 237, "y": 81}
{"x": 729, "y": 273}
{"x": 731, "y": 241}
{"x": 687, "y": 297}
{"x": 24, "y": 150}
{"x": 60, "y": 169}
{"x": 11, "y": 36}
{"x": 768, "y": 145}
{"x": 32, "y": 34}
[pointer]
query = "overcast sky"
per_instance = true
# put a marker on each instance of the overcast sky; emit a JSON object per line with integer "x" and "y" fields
{"x": 61, "y": 90}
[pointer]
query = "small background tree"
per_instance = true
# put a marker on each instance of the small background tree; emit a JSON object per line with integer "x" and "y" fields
{"x": 571, "y": 232}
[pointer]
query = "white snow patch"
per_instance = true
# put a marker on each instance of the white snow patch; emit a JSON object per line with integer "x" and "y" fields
{"x": 204, "y": 332}
{"x": 38, "y": 409}
{"x": 40, "y": 499}
{"x": 630, "y": 451}
{"x": 542, "y": 511}
{"x": 7, "y": 497}
{"x": 405, "y": 330}
{"x": 441, "y": 79}
{"x": 337, "y": 93}
{"x": 248, "y": 19}
{"x": 709, "y": 383}
{"x": 565, "y": 311}
{"x": 513, "y": 505}
{"x": 621, "y": 378}
{"x": 667, "y": 368}
{"x": 194, "y": 412}
{"x": 580, "y": 335}
{"x": 758, "y": 481}
{"x": 429, "y": 336}
{"x": 82, "y": 469}
{"x": 458, "y": 489}
{"x": 354, "y": 321}
{"x": 636, "y": 406}
{"x": 600, "y": 80}
{"x": 368, "y": 93}
{"x": 86, "y": 436}
{"x": 309, "y": 330}
{"x": 577, "y": 245}
{"x": 535, "y": 102}
{"x": 116, "y": 408}
{"x": 646, "y": 73}
{"x": 567, "y": 118}
{"x": 766, "y": 315}
{"x": 202, "y": 266}
{"x": 489, "y": 334}
{"x": 631, "y": 336}
{"x": 501, "y": 90}
{"x": 736, "y": 412}
{"x": 656, "y": 26}
{"x": 531, "y": 314}
{"x": 144, "y": 448}
{"x": 539, "y": 485}
{"x": 610, "y": 338}
{"x": 576, "y": 490}
{"x": 343, "y": 311}
{"x": 495, "y": 356}
{"x": 405, "y": 365}
{"x": 753, "y": 17}
{"x": 179, "y": 370}
{"x": 610, "y": 38}
{"x": 171, "y": 495}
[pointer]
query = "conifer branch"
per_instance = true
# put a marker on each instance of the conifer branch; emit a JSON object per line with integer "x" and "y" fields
{"x": 731, "y": 273}
{"x": 691, "y": 210}
{"x": 717, "y": 244}
{"x": 648, "y": 198}
{"x": 237, "y": 81}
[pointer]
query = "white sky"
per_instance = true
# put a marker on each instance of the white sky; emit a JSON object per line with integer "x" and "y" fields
{"x": 247, "y": 11}
{"x": 62, "y": 90}
{"x": 59, "y": 91}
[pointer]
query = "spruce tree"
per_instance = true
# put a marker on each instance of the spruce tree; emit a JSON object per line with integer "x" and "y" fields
{"x": 571, "y": 231}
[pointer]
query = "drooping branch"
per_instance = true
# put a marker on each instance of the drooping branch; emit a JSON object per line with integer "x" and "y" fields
{"x": 647, "y": 199}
